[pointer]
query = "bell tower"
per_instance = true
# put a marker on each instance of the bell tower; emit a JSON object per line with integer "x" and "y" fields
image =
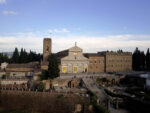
{"x": 47, "y": 46}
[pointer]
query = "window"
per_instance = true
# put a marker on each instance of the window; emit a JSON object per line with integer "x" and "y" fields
{"x": 47, "y": 49}
{"x": 85, "y": 68}
{"x": 75, "y": 53}
{"x": 75, "y": 69}
{"x": 64, "y": 69}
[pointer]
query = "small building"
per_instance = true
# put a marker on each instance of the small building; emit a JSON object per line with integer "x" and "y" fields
{"x": 4, "y": 65}
{"x": 22, "y": 70}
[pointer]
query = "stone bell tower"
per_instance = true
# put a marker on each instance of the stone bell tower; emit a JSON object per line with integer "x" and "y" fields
{"x": 47, "y": 48}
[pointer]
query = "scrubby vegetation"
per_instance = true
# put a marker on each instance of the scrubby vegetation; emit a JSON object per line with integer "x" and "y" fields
{"x": 53, "y": 70}
{"x": 97, "y": 107}
{"x": 41, "y": 86}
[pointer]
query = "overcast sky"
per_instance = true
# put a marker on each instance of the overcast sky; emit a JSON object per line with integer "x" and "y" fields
{"x": 95, "y": 25}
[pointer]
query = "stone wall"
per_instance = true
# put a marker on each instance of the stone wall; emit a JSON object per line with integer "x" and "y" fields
{"x": 96, "y": 64}
{"x": 118, "y": 62}
{"x": 13, "y": 81}
{"x": 43, "y": 102}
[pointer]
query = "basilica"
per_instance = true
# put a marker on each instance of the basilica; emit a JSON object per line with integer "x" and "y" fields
{"x": 73, "y": 60}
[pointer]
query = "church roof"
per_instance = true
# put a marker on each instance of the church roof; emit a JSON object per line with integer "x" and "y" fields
{"x": 75, "y": 49}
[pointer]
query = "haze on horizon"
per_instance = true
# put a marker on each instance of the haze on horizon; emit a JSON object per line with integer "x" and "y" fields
{"x": 96, "y": 25}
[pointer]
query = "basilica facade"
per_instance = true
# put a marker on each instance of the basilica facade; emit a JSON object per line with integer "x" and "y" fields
{"x": 74, "y": 61}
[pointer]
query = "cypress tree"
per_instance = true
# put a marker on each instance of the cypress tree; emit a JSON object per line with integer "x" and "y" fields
{"x": 142, "y": 59}
{"x": 136, "y": 59}
{"x": 15, "y": 57}
{"x": 21, "y": 56}
{"x": 148, "y": 60}
{"x": 53, "y": 69}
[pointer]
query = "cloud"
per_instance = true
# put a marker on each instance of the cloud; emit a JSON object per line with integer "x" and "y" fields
{"x": 87, "y": 43}
{"x": 9, "y": 12}
{"x": 63, "y": 30}
{"x": 2, "y": 1}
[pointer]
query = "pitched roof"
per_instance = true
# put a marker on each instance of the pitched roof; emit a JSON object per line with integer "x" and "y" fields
{"x": 27, "y": 65}
{"x": 92, "y": 54}
{"x": 75, "y": 48}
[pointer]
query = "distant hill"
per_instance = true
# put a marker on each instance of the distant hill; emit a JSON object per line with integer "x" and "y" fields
{"x": 9, "y": 54}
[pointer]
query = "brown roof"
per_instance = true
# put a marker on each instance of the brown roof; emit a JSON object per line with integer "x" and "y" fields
{"x": 27, "y": 65}
{"x": 62, "y": 54}
{"x": 91, "y": 54}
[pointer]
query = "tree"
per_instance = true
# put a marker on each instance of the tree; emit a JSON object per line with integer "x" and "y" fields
{"x": 4, "y": 76}
{"x": 41, "y": 86}
{"x": 3, "y": 58}
{"x": 53, "y": 69}
{"x": 44, "y": 75}
{"x": 148, "y": 60}
{"x": 15, "y": 57}
{"x": 34, "y": 57}
{"x": 23, "y": 58}
{"x": 138, "y": 59}
{"x": 135, "y": 59}
{"x": 142, "y": 60}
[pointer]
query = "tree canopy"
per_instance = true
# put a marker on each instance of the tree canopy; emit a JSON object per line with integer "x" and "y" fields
{"x": 53, "y": 69}
{"x": 21, "y": 57}
{"x": 140, "y": 61}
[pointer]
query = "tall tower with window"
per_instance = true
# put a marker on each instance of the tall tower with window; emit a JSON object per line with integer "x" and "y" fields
{"x": 47, "y": 45}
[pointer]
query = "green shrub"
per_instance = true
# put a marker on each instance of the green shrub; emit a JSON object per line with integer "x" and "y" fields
{"x": 41, "y": 86}
{"x": 4, "y": 76}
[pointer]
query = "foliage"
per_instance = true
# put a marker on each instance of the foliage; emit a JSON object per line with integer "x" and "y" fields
{"x": 53, "y": 69}
{"x": 21, "y": 57}
{"x": 132, "y": 81}
{"x": 32, "y": 56}
{"x": 3, "y": 58}
{"x": 3, "y": 76}
{"x": 102, "y": 80}
{"x": 135, "y": 91}
{"x": 25, "y": 57}
{"x": 136, "y": 106}
{"x": 97, "y": 107}
{"x": 15, "y": 57}
{"x": 148, "y": 60}
{"x": 140, "y": 61}
{"x": 41, "y": 86}
{"x": 113, "y": 94}
{"x": 44, "y": 75}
